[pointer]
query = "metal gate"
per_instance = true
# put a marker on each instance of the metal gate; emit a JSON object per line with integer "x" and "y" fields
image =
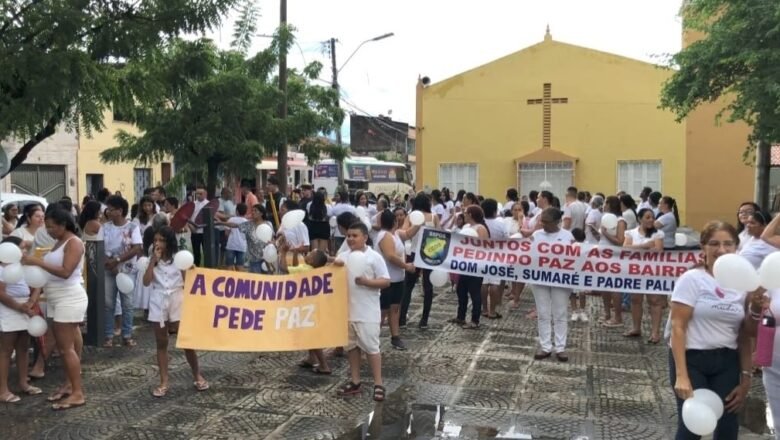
{"x": 47, "y": 181}
{"x": 142, "y": 179}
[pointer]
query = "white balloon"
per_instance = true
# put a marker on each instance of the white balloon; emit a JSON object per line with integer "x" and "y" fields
{"x": 680, "y": 239}
{"x": 333, "y": 222}
{"x": 270, "y": 254}
{"x": 361, "y": 211}
{"x": 36, "y": 326}
{"x": 10, "y": 253}
{"x": 439, "y": 278}
{"x": 124, "y": 283}
{"x": 712, "y": 400}
{"x": 264, "y": 233}
{"x": 142, "y": 264}
{"x": 183, "y": 260}
{"x": 356, "y": 264}
{"x": 609, "y": 221}
{"x": 768, "y": 273}
{"x": 13, "y": 273}
{"x": 408, "y": 247}
{"x": 34, "y": 276}
{"x": 416, "y": 218}
{"x": 469, "y": 232}
{"x": 698, "y": 417}
{"x": 733, "y": 271}
{"x": 293, "y": 218}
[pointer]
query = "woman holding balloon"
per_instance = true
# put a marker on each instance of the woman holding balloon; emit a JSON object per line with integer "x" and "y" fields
{"x": 67, "y": 302}
{"x": 258, "y": 232}
{"x": 16, "y": 307}
{"x": 709, "y": 340}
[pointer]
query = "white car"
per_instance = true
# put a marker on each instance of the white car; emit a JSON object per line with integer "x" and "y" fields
{"x": 21, "y": 200}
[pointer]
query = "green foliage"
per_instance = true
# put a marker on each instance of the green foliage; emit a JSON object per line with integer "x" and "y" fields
{"x": 216, "y": 112}
{"x": 59, "y": 58}
{"x": 245, "y": 26}
{"x": 738, "y": 58}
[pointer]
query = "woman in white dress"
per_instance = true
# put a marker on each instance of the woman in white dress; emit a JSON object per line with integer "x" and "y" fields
{"x": 647, "y": 237}
{"x": 613, "y": 237}
{"x": 30, "y": 224}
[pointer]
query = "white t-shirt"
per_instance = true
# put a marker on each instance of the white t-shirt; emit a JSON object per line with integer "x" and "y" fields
{"x": 562, "y": 236}
{"x": 717, "y": 313}
{"x": 167, "y": 277}
{"x": 630, "y": 218}
{"x": 638, "y": 238}
{"x": 236, "y": 239}
{"x": 297, "y": 236}
{"x": 755, "y": 250}
{"x": 669, "y": 226}
{"x": 576, "y": 211}
{"x": 397, "y": 274}
{"x": 593, "y": 221}
{"x": 17, "y": 290}
{"x": 25, "y": 235}
{"x": 338, "y": 209}
{"x": 119, "y": 239}
{"x": 497, "y": 228}
{"x": 744, "y": 237}
{"x": 363, "y": 301}
{"x": 644, "y": 205}
{"x": 441, "y": 211}
{"x": 535, "y": 214}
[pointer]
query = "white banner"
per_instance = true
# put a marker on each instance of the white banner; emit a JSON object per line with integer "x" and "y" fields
{"x": 576, "y": 266}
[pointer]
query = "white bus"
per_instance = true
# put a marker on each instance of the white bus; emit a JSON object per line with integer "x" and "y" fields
{"x": 382, "y": 177}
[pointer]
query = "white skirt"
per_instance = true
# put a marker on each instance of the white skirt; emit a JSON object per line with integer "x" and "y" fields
{"x": 142, "y": 293}
{"x": 11, "y": 320}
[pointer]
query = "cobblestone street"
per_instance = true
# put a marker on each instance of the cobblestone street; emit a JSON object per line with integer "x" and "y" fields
{"x": 451, "y": 383}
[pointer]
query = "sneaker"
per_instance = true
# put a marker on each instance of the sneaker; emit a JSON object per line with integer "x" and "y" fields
{"x": 575, "y": 316}
{"x": 423, "y": 326}
{"x": 397, "y": 343}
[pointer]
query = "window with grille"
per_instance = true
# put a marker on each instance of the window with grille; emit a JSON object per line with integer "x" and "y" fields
{"x": 549, "y": 176}
{"x": 457, "y": 176}
{"x": 633, "y": 175}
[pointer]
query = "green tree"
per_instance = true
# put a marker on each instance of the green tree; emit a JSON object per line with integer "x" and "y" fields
{"x": 215, "y": 111}
{"x": 59, "y": 58}
{"x": 738, "y": 59}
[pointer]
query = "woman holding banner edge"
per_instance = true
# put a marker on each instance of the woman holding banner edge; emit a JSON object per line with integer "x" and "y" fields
{"x": 471, "y": 286}
{"x": 615, "y": 237}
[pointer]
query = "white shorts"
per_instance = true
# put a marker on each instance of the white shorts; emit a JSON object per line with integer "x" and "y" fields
{"x": 11, "y": 320}
{"x": 487, "y": 281}
{"x": 363, "y": 335}
{"x": 66, "y": 304}
{"x": 165, "y": 306}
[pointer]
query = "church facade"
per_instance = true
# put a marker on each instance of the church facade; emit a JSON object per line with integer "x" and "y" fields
{"x": 554, "y": 115}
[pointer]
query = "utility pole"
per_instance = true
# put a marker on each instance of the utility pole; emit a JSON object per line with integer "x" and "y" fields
{"x": 281, "y": 151}
{"x": 335, "y": 84}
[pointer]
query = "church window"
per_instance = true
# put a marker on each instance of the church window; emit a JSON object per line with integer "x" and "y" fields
{"x": 549, "y": 176}
{"x": 457, "y": 176}
{"x": 633, "y": 175}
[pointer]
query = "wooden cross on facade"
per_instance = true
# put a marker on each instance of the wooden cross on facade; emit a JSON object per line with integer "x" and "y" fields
{"x": 547, "y": 101}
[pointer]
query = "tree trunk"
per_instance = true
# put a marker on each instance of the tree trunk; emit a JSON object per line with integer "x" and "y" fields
{"x": 763, "y": 168}
{"x": 21, "y": 155}
{"x": 212, "y": 171}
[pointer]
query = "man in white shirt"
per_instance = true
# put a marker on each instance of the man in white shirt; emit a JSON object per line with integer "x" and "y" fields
{"x": 574, "y": 212}
{"x": 644, "y": 196}
{"x": 196, "y": 236}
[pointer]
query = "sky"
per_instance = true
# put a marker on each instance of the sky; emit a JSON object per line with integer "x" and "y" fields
{"x": 441, "y": 38}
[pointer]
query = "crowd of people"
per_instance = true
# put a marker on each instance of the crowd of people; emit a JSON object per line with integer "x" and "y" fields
{"x": 709, "y": 331}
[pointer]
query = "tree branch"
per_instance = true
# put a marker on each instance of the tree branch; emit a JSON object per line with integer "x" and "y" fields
{"x": 21, "y": 155}
{"x": 18, "y": 14}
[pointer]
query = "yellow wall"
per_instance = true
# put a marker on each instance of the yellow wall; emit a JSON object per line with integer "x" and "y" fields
{"x": 116, "y": 177}
{"x": 612, "y": 114}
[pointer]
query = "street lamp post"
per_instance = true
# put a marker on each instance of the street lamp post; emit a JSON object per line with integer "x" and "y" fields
{"x": 335, "y": 84}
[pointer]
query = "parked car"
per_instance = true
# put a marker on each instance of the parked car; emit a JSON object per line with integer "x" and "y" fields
{"x": 21, "y": 200}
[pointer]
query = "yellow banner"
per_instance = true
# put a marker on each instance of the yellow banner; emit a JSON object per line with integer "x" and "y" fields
{"x": 240, "y": 311}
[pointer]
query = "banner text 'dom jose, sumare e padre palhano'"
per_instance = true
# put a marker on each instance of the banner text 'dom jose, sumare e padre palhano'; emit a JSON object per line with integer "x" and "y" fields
{"x": 576, "y": 266}
{"x": 241, "y": 311}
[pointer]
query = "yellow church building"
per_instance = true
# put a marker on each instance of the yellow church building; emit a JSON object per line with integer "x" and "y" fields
{"x": 554, "y": 115}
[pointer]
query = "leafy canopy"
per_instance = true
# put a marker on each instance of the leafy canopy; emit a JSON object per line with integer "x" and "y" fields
{"x": 737, "y": 58}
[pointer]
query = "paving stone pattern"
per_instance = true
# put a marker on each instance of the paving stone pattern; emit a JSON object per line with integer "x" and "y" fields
{"x": 451, "y": 383}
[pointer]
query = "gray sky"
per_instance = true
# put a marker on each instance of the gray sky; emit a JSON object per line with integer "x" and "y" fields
{"x": 440, "y": 38}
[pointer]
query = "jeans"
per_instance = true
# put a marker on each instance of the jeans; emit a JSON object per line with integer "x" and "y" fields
{"x": 717, "y": 370}
{"x": 469, "y": 286}
{"x": 552, "y": 310}
{"x": 256, "y": 267}
{"x": 197, "y": 246}
{"x": 409, "y": 283}
{"x": 126, "y": 299}
{"x": 771, "y": 377}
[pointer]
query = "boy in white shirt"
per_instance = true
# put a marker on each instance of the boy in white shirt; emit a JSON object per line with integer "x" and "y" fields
{"x": 364, "y": 311}
{"x": 235, "y": 249}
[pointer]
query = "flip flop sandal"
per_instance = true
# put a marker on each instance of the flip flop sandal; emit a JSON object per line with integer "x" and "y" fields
{"x": 305, "y": 364}
{"x": 349, "y": 389}
{"x": 160, "y": 391}
{"x": 59, "y": 395}
{"x": 202, "y": 385}
{"x": 108, "y": 343}
{"x": 31, "y": 377}
{"x": 64, "y": 406}
{"x": 632, "y": 334}
{"x": 317, "y": 370}
{"x": 379, "y": 393}
{"x": 32, "y": 391}
{"x": 129, "y": 342}
{"x": 653, "y": 341}
{"x": 10, "y": 398}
